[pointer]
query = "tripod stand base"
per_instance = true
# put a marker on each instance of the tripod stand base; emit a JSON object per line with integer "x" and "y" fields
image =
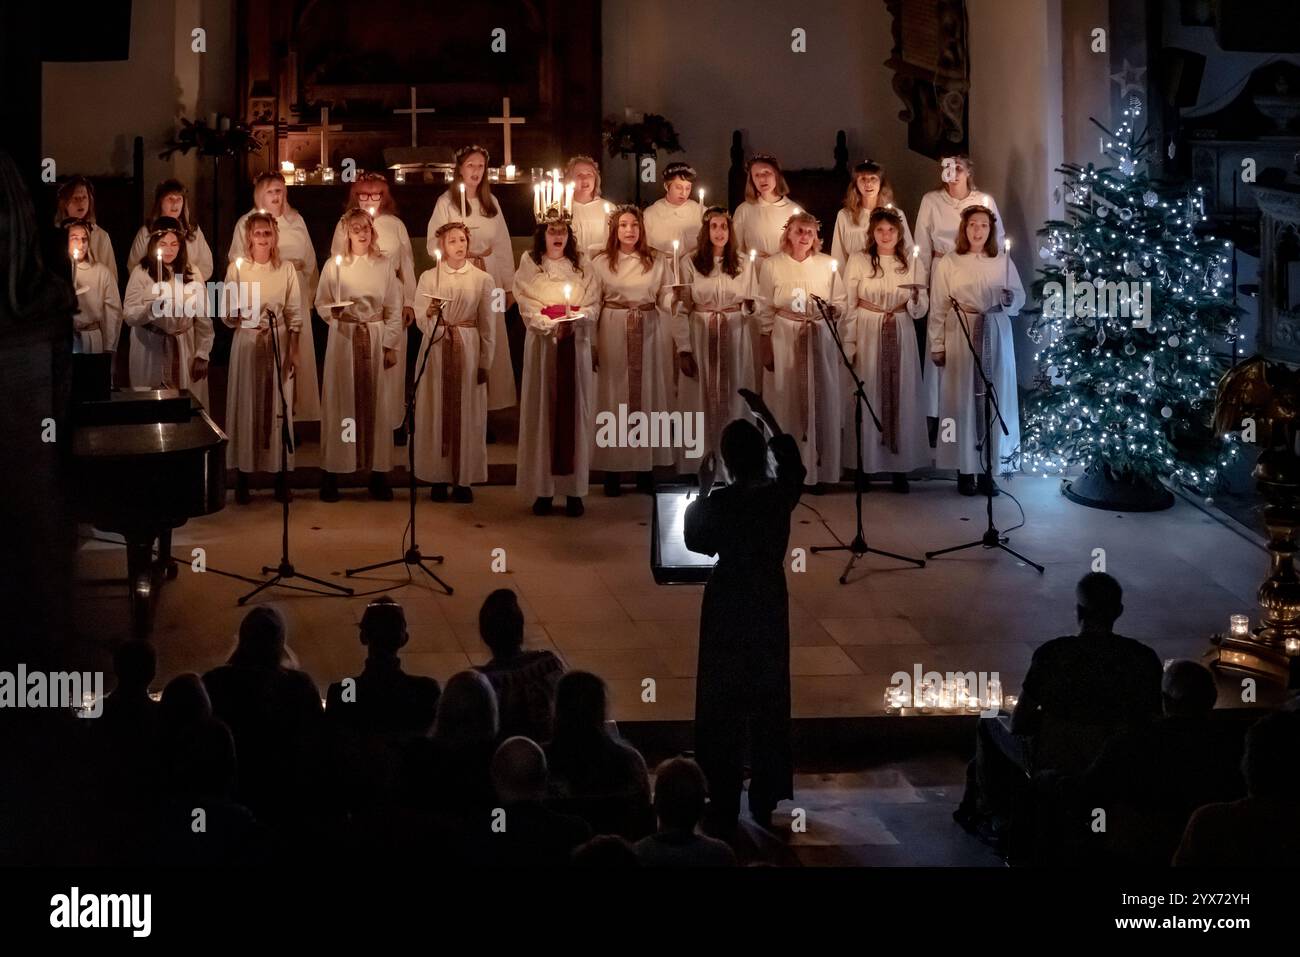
{"x": 858, "y": 549}
{"x": 285, "y": 570}
{"x": 411, "y": 557}
{"x": 991, "y": 538}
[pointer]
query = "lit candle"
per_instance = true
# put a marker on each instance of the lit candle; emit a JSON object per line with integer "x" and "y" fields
{"x": 1006, "y": 249}
{"x": 159, "y": 252}
{"x": 835, "y": 268}
{"x": 753, "y": 254}
{"x": 234, "y": 309}
{"x": 677, "y": 277}
{"x": 372, "y": 210}
{"x": 568, "y": 198}
{"x": 1293, "y": 646}
{"x": 76, "y": 258}
{"x": 338, "y": 278}
{"x": 537, "y": 200}
{"x": 286, "y": 166}
{"x": 568, "y": 291}
{"x": 916, "y": 254}
{"x": 399, "y": 176}
{"x": 437, "y": 270}
{"x": 463, "y": 214}
{"x": 510, "y": 171}
{"x": 1239, "y": 626}
{"x": 701, "y": 195}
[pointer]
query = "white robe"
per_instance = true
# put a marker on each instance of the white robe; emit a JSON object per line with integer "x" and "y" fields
{"x": 861, "y": 330}
{"x": 848, "y": 238}
{"x": 760, "y": 224}
{"x": 535, "y": 288}
{"x": 371, "y": 283}
{"x": 196, "y": 249}
{"x": 780, "y": 281}
{"x": 394, "y": 241}
{"x": 484, "y": 232}
{"x": 252, "y": 351}
{"x": 735, "y": 347}
{"x": 101, "y": 248}
{"x": 633, "y": 284}
{"x": 98, "y": 321}
{"x": 665, "y": 222}
{"x": 295, "y": 247}
{"x": 977, "y": 280}
{"x": 156, "y": 335}
{"x": 591, "y": 225}
{"x": 468, "y": 318}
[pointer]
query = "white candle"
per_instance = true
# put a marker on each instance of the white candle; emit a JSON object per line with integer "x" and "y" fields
{"x": 835, "y": 268}
{"x": 568, "y": 291}
{"x": 1006, "y": 249}
{"x": 234, "y": 310}
{"x": 1239, "y": 625}
{"x": 753, "y": 254}
{"x": 916, "y": 253}
{"x": 338, "y": 278}
{"x": 372, "y": 210}
{"x": 159, "y": 252}
{"x": 537, "y": 200}
{"x": 463, "y": 214}
{"x": 701, "y": 195}
{"x": 437, "y": 270}
{"x": 510, "y": 171}
{"x": 677, "y": 276}
{"x": 76, "y": 258}
{"x": 608, "y": 209}
{"x": 568, "y": 198}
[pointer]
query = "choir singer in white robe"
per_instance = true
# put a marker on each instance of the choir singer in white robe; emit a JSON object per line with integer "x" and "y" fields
{"x": 469, "y": 200}
{"x": 633, "y": 375}
{"x": 589, "y": 209}
{"x": 557, "y": 408}
{"x": 356, "y": 430}
{"x": 760, "y": 220}
{"x": 451, "y": 399}
{"x": 171, "y": 198}
{"x": 271, "y": 195}
{"x": 870, "y": 190}
{"x": 76, "y": 200}
{"x": 254, "y": 413}
{"x": 980, "y": 278}
{"x": 712, "y": 335}
{"x": 167, "y": 307}
{"x": 880, "y": 337}
{"x": 799, "y": 352}
{"x": 98, "y": 320}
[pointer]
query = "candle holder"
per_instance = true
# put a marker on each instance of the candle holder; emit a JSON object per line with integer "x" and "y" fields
{"x": 494, "y": 175}
{"x": 511, "y": 171}
{"x": 399, "y": 176}
{"x": 300, "y": 177}
{"x": 327, "y": 175}
{"x": 448, "y": 175}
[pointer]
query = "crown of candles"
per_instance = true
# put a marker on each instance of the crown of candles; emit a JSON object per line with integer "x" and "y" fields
{"x": 553, "y": 215}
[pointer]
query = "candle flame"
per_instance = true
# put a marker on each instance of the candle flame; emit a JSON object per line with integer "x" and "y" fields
{"x": 676, "y": 243}
{"x": 752, "y": 254}
{"x": 239, "y": 262}
{"x": 338, "y": 260}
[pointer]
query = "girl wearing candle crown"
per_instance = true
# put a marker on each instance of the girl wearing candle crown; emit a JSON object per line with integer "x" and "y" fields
{"x": 880, "y": 338}
{"x": 271, "y": 195}
{"x": 167, "y": 307}
{"x": 370, "y": 192}
{"x": 470, "y": 201}
{"x": 760, "y": 220}
{"x": 870, "y": 190}
{"x": 798, "y": 351}
{"x": 635, "y": 300}
{"x": 76, "y": 200}
{"x": 356, "y": 421}
{"x": 451, "y": 401}
{"x": 589, "y": 208}
{"x": 557, "y": 407}
{"x": 98, "y": 319}
{"x": 712, "y": 336}
{"x": 253, "y": 409}
{"x": 171, "y": 198}
{"x": 980, "y": 278}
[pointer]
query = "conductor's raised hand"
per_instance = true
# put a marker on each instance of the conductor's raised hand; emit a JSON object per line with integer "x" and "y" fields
{"x": 708, "y": 472}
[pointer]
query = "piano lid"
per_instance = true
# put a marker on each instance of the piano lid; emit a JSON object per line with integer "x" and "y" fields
{"x": 155, "y": 422}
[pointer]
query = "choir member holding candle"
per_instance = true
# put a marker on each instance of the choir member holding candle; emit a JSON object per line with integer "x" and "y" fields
{"x": 635, "y": 299}
{"x": 451, "y": 399}
{"x": 489, "y": 250}
{"x": 880, "y": 338}
{"x": 271, "y": 195}
{"x": 590, "y": 210}
{"x": 985, "y": 283}
{"x": 171, "y": 198}
{"x": 370, "y": 192}
{"x": 167, "y": 307}
{"x": 362, "y": 344}
{"x": 713, "y": 335}
{"x": 797, "y": 349}
{"x": 253, "y": 406}
{"x": 675, "y": 216}
{"x": 557, "y": 407}
{"x": 869, "y": 190}
{"x": 76, "y": 200}
{"x": 98, "y": 319}
{"x": 760, "y": 220}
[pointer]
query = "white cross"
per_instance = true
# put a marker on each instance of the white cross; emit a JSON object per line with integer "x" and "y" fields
{"x": 324, "y": 130}
{"x": 506, "y": 121}
{"x": 415, "y": 113}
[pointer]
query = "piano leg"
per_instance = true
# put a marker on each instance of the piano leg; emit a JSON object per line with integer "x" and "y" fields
{"x": 166, "y": 564}
{"x": 142, "y": 580}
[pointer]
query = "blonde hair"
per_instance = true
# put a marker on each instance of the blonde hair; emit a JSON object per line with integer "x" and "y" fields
{"x": 356, "y": 212}
{"x": 751, "y": 193}
{"x": 801, "y": 219}
{"x": 264, "y": 180}
{"x": 575, "y": 161}
{"x": 266, "y": 218}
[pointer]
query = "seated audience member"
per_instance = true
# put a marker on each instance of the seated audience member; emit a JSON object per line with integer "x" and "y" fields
{"x": 605, "y": 852}
{"x": 1079, "y": 690}
{"x": 449, "y": 771}
{"x": 274, "y": 714}
{"x": 523, "y": 680}
{"x": 129, "y": 709}
{"x": 594, "y": 773}
{"x": 1263, "y": 828}
{"x": 532, "y": 834}
{"x": 680, "y": 793}
{"x": 1152, "y": 777}
{"x": 383, "y": 699}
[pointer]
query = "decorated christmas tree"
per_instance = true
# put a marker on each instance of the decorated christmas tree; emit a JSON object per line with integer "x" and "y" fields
{"x": 1136, "y": 326}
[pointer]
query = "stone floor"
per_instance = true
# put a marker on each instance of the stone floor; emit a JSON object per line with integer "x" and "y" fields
{"x": 588, "y": 594}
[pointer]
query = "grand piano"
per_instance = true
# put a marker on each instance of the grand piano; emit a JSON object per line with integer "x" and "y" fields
{"x": 144, "y": 463}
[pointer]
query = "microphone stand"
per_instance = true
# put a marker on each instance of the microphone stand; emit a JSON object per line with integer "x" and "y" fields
{"x": 412, "y": 555}
{"x": 285, "y": 569}
{"x": 991, "y": 538}
{"x": 858, "y": 547}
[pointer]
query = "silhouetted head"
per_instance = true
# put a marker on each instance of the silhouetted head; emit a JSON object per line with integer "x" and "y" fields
{"x": 383, "y": 626}
{"x": 135, "y": 663}
{"x": 1099, "y": 601}
{"x": 261, "y": 639}
{"x": 605, "y": 852}
{"x": 501, "y": 623}
{"x": 467, "y": 710}
{"x": 1187, "y": 689}
{"x": 1269, "y": 764}
{"x": 580, "y": 705}
{"x": 184, "y": 702}
{"x": 680, "y": 792}
{"x": 519, "y": 770}
{"x": 743, "y": 451}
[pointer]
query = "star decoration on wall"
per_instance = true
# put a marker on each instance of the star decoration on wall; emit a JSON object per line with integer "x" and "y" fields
{"x": 1129, "y": 78}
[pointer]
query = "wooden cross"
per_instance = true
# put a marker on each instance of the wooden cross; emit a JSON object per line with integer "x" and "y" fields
{"x": 506, "y": 121}
{"x": 415, "y": 117}
{"x": 324, "y": 130}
